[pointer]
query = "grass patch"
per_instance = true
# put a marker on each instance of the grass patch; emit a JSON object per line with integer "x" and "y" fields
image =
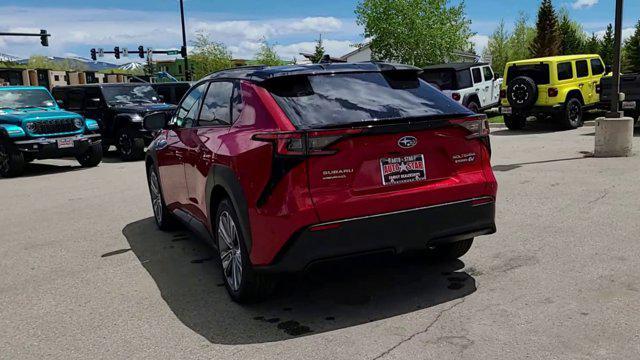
{"x": 496, "y": 119}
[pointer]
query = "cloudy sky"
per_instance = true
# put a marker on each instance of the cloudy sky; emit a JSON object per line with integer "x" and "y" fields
{"x": 79, "y": 25}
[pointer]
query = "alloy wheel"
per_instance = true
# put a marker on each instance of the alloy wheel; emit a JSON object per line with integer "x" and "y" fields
{"x": 574, "y": 113}
{"x": 4, "y": 158}
{"x": 124, "y": 143}
{"x": 230, "y": 253}
{"x": 156, "y": 197}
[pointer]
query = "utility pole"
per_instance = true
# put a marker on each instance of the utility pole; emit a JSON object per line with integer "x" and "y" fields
{"x": 614, "y": 132}
{"x": 187, "y": 73}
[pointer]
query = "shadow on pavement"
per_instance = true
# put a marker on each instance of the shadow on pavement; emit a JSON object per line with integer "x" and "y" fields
{"x": 510, "y": 167}
{"x": 35, "y": 169}
{"x": 321, "y": 300}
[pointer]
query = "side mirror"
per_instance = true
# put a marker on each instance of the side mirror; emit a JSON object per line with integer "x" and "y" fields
{"x": 155, "y": 121}
{"x": 608, "y": 69}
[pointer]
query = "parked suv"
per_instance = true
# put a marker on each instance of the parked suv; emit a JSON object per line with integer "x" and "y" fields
{"x": 282, "y": 167}
{"x": 560, "y": 86}
{"x": 474, "y": 85}
{"x": 119, "y": 109}
{"x": 33, "y": 127}
{"x": 630, "y": 87}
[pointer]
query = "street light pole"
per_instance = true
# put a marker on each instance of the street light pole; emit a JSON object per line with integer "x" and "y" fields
{"x": 187, "y": 73}
{"x": 615, "y": 99}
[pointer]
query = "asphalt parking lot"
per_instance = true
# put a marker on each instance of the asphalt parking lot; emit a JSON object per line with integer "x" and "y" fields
{"x": 86, "y": 274}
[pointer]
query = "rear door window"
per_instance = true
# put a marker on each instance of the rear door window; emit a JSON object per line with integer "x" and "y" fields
{"x": 582, "y": 68}
{"x": 565, "y": 71}
{"x": 539, "y": 73}
{"x": 443, "y": 79}
{"x": 324, "y": 101}
{"x": 477, "y": 75}
{"x": 488, "y": 73}
{"x": 463, "y": 78}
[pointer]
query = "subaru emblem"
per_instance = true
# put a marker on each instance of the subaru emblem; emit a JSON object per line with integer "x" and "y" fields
{"x": 407, "y": 142}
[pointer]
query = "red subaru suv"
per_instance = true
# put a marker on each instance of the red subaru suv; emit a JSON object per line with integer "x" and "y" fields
{"x": 282, "y": 167}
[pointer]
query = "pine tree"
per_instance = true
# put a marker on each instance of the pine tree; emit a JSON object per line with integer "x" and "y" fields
{"x": 572, "y": 40}
{"x": 593, "y": 45}
{"x": 632, "y": 51}
{"x": 607, "y": 46}
{"x": 548, "y": 39}
{"x": 520, "y": 41}
{"x": 498, "y": 48}
{"x": 319, "y": 51}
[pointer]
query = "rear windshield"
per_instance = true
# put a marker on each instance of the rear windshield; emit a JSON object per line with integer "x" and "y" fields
{"x": 538, "y": 72}
{"x": 448, "y": 79}
{"x": 318, "y": 101}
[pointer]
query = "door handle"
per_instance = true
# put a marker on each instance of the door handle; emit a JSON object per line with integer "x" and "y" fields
{"x": 580, "y": 85}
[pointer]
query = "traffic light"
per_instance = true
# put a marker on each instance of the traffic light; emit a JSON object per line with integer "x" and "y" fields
{"x": 44, "y": 38}
{"x": 93, "y": 55}
{"x": 141, "y": 51}
{"x": 183, "y": 51}
{"x": 116, "y": 52}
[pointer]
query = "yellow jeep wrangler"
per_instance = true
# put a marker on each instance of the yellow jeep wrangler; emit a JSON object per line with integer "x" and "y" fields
{"x": 559, "y": 86}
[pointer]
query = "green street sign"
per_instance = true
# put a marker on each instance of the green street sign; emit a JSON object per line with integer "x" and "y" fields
{"x": 173, "y": 52}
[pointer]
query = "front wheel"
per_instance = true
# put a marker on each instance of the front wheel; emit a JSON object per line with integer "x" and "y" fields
{"x": 11, "y": 160}
{"x": 92, "y": 157}
{"x": 164, "y": 218}
{"x": 243, "y": 283}
{"x": 130, "y": 145}
{"x": 515, "y": 122}
{"x": 452, "y": 251}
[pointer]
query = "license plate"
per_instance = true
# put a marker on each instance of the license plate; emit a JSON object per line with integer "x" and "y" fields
{"x": 402, "y": 170}
{"x": 506, "y": 110}
{"x": 628, "y": 105}
{"x": 65, "y": 143}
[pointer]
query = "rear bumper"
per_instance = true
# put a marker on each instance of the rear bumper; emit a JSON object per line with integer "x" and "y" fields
{"x": 555, "y": 109}
{"x": 47, "y": 148}
{"x": 401, "y": 231}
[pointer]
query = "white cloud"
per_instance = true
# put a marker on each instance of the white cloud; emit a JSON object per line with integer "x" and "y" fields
{"x": 626, "y": 33}
{"x": 582, "y": 4}
{"x": 480, "y": 42}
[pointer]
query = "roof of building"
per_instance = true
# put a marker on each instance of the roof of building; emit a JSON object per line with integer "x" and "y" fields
{"x": 262, "y": 73}
{"x": 454, "y": 66}
{"x": 357, "y": 50}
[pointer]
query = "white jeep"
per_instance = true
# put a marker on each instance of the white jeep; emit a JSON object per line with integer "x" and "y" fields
{"x": 473, "y": 85}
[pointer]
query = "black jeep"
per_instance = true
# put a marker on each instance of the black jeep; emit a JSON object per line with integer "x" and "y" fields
{"x": 118, "y": 109}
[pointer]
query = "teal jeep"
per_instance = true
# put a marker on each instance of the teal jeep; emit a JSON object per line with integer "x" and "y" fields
{"x": 32, "y": 126}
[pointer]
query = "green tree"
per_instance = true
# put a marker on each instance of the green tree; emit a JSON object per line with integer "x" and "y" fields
{"x": 548, "y": 38}
{"x": 632, "y": 52}
{"x": 416, "y": 32}
{"x": 521, "y": 39}
{"x": 267, "y": 55}
{"x": 209, "y": 56}
{"x": 593, "y": 45}
{"x": 498, "y": 48}
{"x": 572, "y": 35}
{"x": 607, "y": 46}
{"x": 318, "y": 53}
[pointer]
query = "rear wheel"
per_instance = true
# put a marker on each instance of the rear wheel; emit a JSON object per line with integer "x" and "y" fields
{"x": 515, "y": 122}
{"x": 11, "y": 160}
{"x": 164, "y": 218}
{"x": 473, "y": 106}
{"x": 243, "y": 283}
{"x": 571, "y": 117}
{"x": 130, "y": 145}
{"x": 92, "y": 157}
{"x": 452, "y": 251}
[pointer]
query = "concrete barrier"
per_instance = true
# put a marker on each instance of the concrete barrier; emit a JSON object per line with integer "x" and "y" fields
{"x": 614, "y": 137}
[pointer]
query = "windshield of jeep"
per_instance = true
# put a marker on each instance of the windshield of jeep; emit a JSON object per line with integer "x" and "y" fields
{"x": 448, "y": 79}
{"x": 115, "y": 95}
{"x": 539, "y": 73}
{"x": 25, "y": 98}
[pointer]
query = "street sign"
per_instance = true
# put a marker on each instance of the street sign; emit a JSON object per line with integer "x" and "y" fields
{"x": 100, "y": 52}
{"x": 173, "y": 52}
{"x": 125, "y": 52}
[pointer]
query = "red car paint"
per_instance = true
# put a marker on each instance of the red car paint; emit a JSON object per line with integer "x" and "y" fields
{"x": 341, "y": 185}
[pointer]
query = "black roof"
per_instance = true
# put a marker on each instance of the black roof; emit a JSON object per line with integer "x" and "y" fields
{"x": 454, "y": 66}
{"x": 262, "y": 73}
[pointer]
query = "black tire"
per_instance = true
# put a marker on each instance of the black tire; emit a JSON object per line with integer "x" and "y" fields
{"x": 473, "y": 106}
{"x": 247, "y": 285}
{"x": 572, "y": 116}
{"x": 515, "y": 122}
{"x": 130, "y": 144}
{"x": 522, "y": 92}
{"x": 92, "y": 157}
{"x": 165, "y": 220}
{"x": 11, "y": 160}
{"x": 451, "y": 251}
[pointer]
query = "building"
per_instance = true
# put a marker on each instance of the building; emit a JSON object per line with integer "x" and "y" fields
{"x": 52, "y": 78}
{"x": 364, "y": 53}
{"x": 175, "y": 67}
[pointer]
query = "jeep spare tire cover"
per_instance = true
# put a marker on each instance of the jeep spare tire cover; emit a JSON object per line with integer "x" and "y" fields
{"x": 522, "y": 92}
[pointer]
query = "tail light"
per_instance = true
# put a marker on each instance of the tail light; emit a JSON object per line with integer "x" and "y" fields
{"x": 553, "y": 92}
{"x": 456, "y": 96}
{"x": 478, "y": 127}
{"x": 503, "y": 94}
{"x": 305, "y": 143}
